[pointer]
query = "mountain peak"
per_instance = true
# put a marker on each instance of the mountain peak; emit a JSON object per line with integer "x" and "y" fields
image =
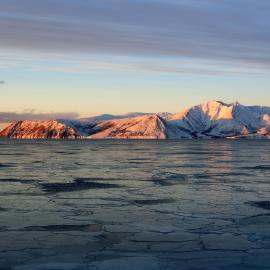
{"x": 236, "y": 103}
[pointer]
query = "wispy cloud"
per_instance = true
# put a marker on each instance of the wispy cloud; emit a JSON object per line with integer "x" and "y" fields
{"x": 6, "y": 117}
{"x": 224, "y": 33}
{"x": 99, "y": 64}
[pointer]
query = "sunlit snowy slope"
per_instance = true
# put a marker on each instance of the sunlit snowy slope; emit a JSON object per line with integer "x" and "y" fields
{"x": 213, "y": 119}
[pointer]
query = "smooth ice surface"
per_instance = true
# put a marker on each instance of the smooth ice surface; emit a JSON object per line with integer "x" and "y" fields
{"x": 118, "y": 204}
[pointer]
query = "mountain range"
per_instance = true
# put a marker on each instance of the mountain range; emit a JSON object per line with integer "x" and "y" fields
{"x": 214, "y": 119}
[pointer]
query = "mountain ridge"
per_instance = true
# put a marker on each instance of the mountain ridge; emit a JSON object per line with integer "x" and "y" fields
{"x": 213, "y": 119}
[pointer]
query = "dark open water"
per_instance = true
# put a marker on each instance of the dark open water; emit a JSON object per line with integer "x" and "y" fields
{"x": 131, "y": 205}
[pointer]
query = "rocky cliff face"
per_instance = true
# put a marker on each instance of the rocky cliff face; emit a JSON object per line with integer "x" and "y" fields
{"x": 213, "y": 119}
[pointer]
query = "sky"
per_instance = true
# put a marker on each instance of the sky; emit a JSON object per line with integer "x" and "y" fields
{"x": 66, "y": 58}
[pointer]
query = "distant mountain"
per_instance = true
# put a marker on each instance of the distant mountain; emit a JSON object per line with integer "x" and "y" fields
{"x": 104, "y": 117}
{"x": 214, "y": 119}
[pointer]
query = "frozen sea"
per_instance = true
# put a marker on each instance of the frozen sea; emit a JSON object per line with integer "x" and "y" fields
{"x": 134, "y": 205}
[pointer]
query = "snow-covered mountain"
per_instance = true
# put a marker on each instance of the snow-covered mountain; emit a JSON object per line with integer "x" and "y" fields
{"x": 214, "y": 119}
{"x": 218, "y": 119}
{"x": 143, "y": 127}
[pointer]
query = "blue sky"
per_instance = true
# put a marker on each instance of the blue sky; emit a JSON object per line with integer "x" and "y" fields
{"x": 66, "y": 57}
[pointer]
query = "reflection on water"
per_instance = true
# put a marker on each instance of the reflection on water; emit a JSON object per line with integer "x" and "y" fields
{"x": 116, "y": 204}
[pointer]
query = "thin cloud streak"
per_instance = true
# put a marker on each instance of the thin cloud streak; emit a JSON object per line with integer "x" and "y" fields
{"x": 226, "y": 32}
{"x": 7, "y": 117}
{"x": 92, "y": 65}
